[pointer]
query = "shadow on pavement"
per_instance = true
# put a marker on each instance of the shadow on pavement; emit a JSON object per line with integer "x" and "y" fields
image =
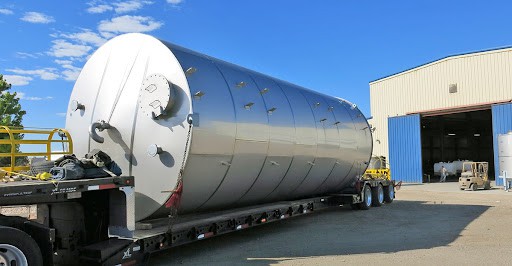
{"x": 403, "y": 225}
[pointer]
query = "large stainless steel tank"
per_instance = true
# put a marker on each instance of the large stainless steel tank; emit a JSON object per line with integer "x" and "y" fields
{"x": 254, "y": 138}
{"x": 505, "y": 153}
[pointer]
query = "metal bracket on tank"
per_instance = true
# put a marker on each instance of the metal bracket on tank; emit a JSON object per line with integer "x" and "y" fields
{"x": 75, "y": 106}
{"x": 190, "y": 71}
{"x": 154, "y": 116}
{"x": 225, "y": 163}
{"x": 193, "y": 119}
{"x": 100, "y": 126}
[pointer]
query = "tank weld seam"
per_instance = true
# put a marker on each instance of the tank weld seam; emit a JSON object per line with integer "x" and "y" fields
{"x": 98, "y": 94}
{"x": 348, "y": 173}
{"x": 295, "y": 137}
{"x": 268, "y": 141}
{"x": 355, "y": 129}
{"x": 235, "y": 137}
{"x": 123, "y": 85}
{"x": 339, "y": 146}
{"x": 316, "y": 146}
{"x": 132, "y": 137}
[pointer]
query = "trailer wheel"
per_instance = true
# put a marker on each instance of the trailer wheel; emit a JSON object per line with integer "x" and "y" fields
{"x": 389, "y": 194}
{"x": 377, "y": 195}
{"x": 18, "y": 248}
{"x": 367, "y": 198}
{"x": 474, "y": 187}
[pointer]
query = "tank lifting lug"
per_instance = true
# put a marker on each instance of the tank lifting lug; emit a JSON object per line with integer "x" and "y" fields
{"x": 100, "y": 126}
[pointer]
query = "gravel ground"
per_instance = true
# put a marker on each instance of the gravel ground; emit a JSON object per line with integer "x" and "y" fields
{"x": 427, "y": 224}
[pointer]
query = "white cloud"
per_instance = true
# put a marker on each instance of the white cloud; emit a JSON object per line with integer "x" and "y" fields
{"x": 174, "y": 2}
{"x": 63, "y": 48}
{"x": 70, "y": 72}
{"x": 26, "y": 55}
{"x": 17, "y": 80}
{"x": 86, "y": 37}
{"x": 45, "y": 73}
{"x": 99, "y": 9}
{"x": 23, "y": 96}
{"x": 124, "y": 24}
{"x": 128, "y": 6}
{"x": 36, "y": 17}
{"x": 5, "y": 11}
{"x": 71, "y": 47}
{"x": 61, "y": 114}
{"x": 63, "y": 62}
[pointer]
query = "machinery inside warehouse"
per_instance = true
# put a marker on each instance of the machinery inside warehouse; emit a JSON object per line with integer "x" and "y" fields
{"x": 454, "y": 137}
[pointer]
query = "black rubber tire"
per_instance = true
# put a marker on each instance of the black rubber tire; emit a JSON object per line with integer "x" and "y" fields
{"x": 24, "y": 243}
{"x": 487, "y": 185}
{"x": 41, "y": 167}
{"x": 474, "y": 187}
{"x": 367, "y": 201}
{"x": 377, "y": 195}
{"x": 389, "y": 194}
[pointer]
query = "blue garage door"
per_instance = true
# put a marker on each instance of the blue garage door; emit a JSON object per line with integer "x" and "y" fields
{"x": 405, "y": 148}
{"x": 501, "y": 124}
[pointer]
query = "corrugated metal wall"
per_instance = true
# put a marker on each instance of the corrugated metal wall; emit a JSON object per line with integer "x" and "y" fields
{"x": 501, "y": 124}
{"x": 480, "y": 77}
{"x": 405, "y": 148}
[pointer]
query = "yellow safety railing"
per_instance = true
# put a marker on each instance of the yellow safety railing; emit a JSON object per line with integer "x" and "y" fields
{"x": 382, "y": 172}
{"x": 45, "y": 138}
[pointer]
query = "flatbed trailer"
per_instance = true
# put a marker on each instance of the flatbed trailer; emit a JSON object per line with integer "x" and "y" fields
{"x": 93, "y": 220}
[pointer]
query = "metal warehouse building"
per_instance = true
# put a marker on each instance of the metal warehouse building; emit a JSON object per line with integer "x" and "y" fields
{"x": 450, "y": 109}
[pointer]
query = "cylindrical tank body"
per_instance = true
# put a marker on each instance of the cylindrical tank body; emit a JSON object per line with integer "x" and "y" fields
{"x": 254, "y": 138}
{"x": 505, "y": 153}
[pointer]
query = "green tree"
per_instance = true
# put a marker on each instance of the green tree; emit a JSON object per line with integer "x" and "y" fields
{"x": 11, "y": 115}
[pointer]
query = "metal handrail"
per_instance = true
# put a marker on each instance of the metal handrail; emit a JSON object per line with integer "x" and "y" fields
{"x": 50, "y": 133}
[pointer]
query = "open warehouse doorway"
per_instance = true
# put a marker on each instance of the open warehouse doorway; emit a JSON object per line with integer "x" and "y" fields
{"x": 456, "y": 137}
{"x": 419, "y": 140}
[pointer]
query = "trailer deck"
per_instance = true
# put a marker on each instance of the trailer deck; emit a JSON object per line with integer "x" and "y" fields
{"x": 130, "y": 243}
{"x": 24, "y": 192}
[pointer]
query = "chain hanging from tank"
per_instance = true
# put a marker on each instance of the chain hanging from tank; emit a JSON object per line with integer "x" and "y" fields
{"x": 174, "y": 201}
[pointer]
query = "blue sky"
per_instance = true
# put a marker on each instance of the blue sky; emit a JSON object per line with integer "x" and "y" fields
{"x": 332, "y": 46}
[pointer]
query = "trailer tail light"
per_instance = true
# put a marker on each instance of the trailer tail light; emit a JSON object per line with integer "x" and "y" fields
{"x": 242, "y": 226}
{"x": 107, "y": 186}
{"x": 205, "y": 235}
{"x": 101, "y": 187}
